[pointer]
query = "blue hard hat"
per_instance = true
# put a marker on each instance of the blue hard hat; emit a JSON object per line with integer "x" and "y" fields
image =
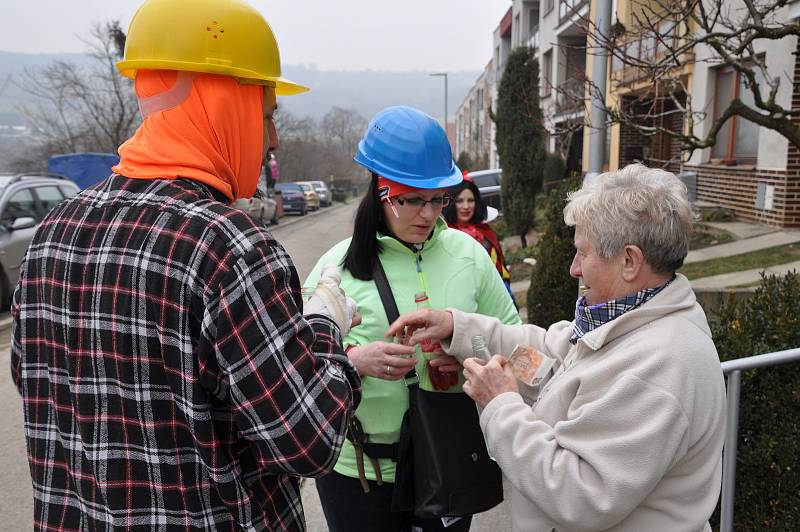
{"x": 405, "y": 145}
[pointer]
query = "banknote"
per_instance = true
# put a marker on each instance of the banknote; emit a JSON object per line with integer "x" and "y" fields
{"x": 529, "y": 365}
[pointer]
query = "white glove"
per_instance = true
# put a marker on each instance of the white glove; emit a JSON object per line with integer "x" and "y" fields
{"x": 330, "y": 300}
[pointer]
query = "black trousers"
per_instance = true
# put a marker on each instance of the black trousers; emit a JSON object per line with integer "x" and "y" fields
{"x": 348, "y": 509}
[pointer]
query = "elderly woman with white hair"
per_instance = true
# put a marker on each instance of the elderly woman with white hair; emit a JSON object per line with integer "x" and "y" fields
{"x": 626, "y": 433}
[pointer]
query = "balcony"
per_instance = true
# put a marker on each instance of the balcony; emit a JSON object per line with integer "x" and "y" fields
{"x": 570, "y": 95}
{"x": 570, "y": 13}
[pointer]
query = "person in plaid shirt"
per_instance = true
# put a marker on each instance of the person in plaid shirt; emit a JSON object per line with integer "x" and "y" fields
{"x": 170, "y": 379}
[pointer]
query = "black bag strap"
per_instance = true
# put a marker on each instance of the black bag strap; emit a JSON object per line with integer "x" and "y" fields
{"x": 390, "y": 307}
{"x": 385, "y": 291}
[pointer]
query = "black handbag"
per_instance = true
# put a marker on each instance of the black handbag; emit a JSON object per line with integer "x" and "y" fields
{"x": 443, "y": 468}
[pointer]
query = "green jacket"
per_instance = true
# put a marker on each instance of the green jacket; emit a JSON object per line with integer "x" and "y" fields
{"x": 456, "y": 272}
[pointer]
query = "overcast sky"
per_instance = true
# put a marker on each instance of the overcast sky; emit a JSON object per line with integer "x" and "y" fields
{"x": 331, "y": 34}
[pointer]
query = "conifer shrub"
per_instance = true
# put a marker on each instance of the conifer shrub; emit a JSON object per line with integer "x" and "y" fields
{"x": 520, "y": 140}
{"x": 552, "y": 292}
{"x": 767, "y": 464}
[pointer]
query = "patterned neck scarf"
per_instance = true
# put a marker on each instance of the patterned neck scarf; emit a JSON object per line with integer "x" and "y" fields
{"x": 589, "y": 318}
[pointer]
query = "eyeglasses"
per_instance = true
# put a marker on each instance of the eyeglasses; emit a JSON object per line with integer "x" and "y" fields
{"x": 418, "y": 203}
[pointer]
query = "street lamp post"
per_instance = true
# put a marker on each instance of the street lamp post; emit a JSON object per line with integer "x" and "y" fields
{"x": 443, "y": 74}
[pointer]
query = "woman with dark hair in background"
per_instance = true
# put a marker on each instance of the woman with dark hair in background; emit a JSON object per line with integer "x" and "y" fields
{"x": 470, "y": 214}
{"x": 398, "y": 226}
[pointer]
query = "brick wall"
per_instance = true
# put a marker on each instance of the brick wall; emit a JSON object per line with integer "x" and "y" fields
{"x": 633, "y": 146}
{"x": 659, "y": 148}
{"x": 735, "y": 187}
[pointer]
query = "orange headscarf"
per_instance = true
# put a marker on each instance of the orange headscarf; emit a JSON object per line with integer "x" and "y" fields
{"x": 215, "y": 136}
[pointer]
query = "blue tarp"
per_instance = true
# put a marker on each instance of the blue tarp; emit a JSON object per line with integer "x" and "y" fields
{"x": 85, "y": 169}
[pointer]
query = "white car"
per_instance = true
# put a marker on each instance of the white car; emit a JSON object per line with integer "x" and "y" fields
{"x": 261, "y": 207}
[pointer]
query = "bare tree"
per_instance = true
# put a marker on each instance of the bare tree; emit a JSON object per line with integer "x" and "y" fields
{"x": 81, "y": 109}
{"x": 652, "y": 52}
{"x": 343, "y": 128}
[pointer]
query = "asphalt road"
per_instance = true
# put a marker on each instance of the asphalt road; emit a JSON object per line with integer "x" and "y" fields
{"x": 305, "y": 238}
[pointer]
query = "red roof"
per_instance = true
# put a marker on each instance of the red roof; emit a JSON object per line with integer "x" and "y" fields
{"x": 505, "y": 24}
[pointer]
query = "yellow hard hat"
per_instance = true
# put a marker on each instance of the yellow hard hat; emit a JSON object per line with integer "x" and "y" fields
{"x": 226, "y": 37}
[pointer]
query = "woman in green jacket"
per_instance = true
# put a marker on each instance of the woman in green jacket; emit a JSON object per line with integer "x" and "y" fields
{"x": 398, "y": 223}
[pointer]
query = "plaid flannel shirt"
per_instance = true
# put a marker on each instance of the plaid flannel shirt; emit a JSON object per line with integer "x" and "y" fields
{"x": 169, "y": 378}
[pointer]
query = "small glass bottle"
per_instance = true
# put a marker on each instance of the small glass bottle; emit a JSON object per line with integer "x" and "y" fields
{"x": 479, "y": 348}
{"x": 480, "y": 351}
{"x": 433, "y": 378}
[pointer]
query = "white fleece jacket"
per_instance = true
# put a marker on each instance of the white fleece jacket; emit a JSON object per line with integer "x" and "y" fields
{"x": 627, "y": 435}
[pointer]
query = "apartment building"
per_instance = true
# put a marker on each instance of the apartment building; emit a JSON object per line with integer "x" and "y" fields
{"x": 553, "y": 29}
{"x": 752, "y": 170}
{"x": 473, "y": 121}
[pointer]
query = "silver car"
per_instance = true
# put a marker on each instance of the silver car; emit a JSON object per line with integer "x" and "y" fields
{"x": 25, "y": 199}
{"x": 489, "y": 183}
{"x": 324, "y": 193}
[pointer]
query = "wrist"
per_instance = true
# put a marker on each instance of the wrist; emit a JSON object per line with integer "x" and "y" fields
{"x": 450, "y": 322}
{"x": 352, "y": 352}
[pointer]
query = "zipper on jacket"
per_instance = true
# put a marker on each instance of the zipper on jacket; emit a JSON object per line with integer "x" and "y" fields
{"x": 418, "y": 263}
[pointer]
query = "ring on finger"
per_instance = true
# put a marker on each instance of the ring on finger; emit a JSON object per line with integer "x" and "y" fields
{"x": 388, "y": 369}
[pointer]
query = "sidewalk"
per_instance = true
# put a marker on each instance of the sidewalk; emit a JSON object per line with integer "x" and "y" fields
{"x": 745, "y": 277}
{"x": 750, "y": 237}
{"x": 746, "y": 245}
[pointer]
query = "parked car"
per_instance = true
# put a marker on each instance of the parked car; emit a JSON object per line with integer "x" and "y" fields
{"x": 489, "y": 183}
{"x": 312, "y": 199}
{"x": 293, "y": 198}
{"x": 325, "y": 196}
{"x": 261, "y": 207}
{"x": 25, "y": 199}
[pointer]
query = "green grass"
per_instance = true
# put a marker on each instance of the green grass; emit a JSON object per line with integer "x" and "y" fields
{"x": 747, "y": 261}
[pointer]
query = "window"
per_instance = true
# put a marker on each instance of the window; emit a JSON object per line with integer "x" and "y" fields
{"x": 533, "y": 21}
{"x": 666, "y": 29}
{"x": 68, "y": 192}
{"x": 647, "y": 49}
{"x": 49, "y": 197}
{"x": 547, "y": 72}
{"x": 618, "y": 56}
{"x": 633, "y": 50}
{"x": 737, "y": 139}
{"x": 21, "y": 204}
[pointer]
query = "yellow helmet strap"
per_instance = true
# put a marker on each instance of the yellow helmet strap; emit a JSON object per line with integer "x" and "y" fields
{"x": 170, "y": 98}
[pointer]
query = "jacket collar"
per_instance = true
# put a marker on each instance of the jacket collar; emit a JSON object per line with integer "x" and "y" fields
{"x": 676, "y": 297}
{"x": 390, "y": 242}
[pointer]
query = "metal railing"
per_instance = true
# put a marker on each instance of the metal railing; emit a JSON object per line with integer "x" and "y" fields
{"x": 566, "y": 8}
{"x": 733, "y": 369}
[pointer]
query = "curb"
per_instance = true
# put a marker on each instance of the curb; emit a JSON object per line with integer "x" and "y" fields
{"x": 295, "y": 218}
